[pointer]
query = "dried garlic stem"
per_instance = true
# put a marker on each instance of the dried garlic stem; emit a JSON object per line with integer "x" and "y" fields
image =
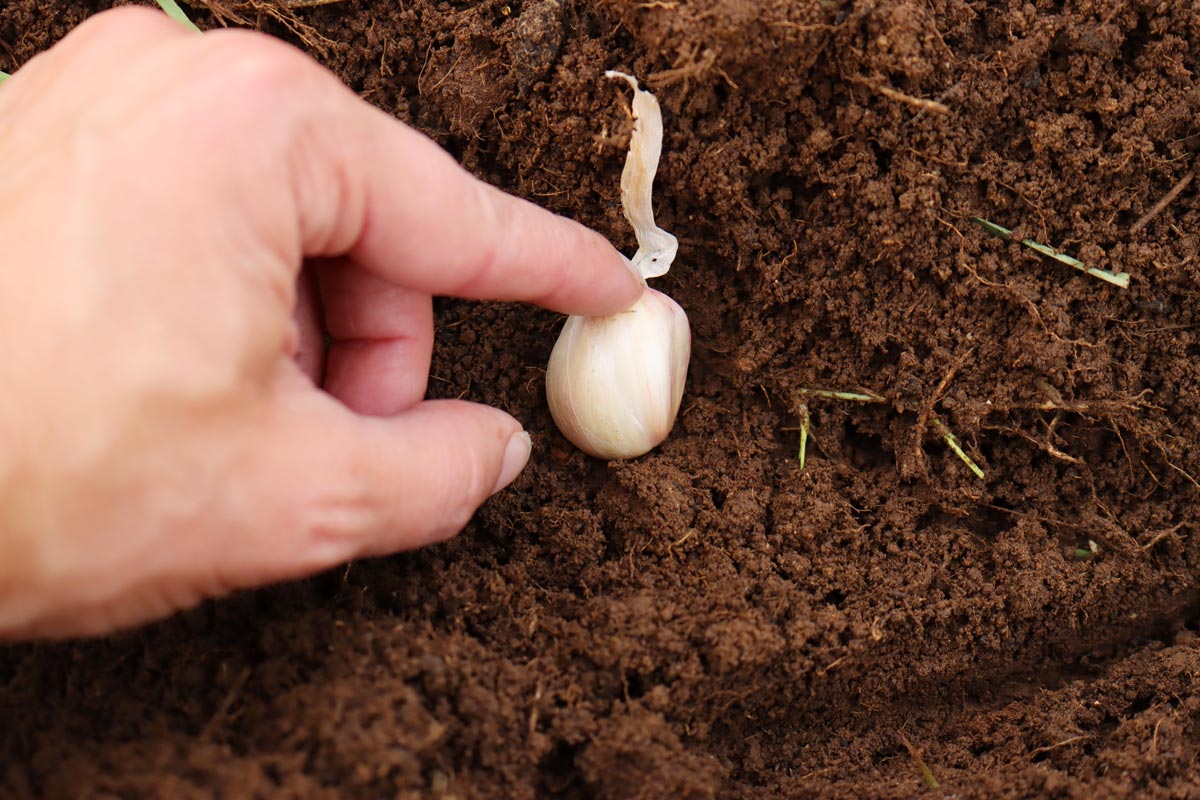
{"x": 656, "y": 248}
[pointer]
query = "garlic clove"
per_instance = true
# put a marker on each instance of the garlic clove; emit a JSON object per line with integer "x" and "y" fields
{"x": 614, "y": 383}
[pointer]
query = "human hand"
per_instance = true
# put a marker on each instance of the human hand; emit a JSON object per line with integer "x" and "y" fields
{"x": 159, "y": 443}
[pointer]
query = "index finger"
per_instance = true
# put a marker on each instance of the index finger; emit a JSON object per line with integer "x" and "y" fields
{"x": 432, "y": 226}
{"x": 371, "y": 188}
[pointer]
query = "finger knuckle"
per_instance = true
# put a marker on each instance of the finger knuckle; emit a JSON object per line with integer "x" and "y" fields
{"x": 255, "y": 73}
{"x": 491, "y": 225}
{"x": 125, "y": 21}
{"x": 338, "y": 523}
{"x": 258, "y": 84}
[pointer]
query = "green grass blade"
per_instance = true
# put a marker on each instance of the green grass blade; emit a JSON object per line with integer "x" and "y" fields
{"x": 176, "y": 13}
{"x": 1115, "y": 278}
{"x": 952, "y": 441}
{"x": 993, "y": 228}
{"x": 804, "y": 423}
{"x": 854, "y": 397}
{"x": 3, "y": 77}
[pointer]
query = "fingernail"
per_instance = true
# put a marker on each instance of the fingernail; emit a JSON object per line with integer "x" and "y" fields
{"x": 516, "y": 456}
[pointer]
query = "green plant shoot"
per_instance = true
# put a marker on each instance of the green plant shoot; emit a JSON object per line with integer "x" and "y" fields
{"x": 1120, "y": 279}
{"x": 176, "y": 13}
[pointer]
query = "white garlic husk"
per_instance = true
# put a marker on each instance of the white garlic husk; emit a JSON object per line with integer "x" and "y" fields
{"x": 614, "y": 383}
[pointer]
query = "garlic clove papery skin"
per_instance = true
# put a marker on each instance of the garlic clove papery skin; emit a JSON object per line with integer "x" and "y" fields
{"x": 614, "y": 383}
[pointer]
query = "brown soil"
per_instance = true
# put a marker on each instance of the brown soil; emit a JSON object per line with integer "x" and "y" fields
{"x": 713, "y": 620}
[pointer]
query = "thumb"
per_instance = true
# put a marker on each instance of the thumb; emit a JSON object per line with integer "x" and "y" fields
{"x": 346, "y": 486}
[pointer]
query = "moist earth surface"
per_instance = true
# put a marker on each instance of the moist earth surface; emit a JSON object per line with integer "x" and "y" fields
{"x": 722, "y": 618}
